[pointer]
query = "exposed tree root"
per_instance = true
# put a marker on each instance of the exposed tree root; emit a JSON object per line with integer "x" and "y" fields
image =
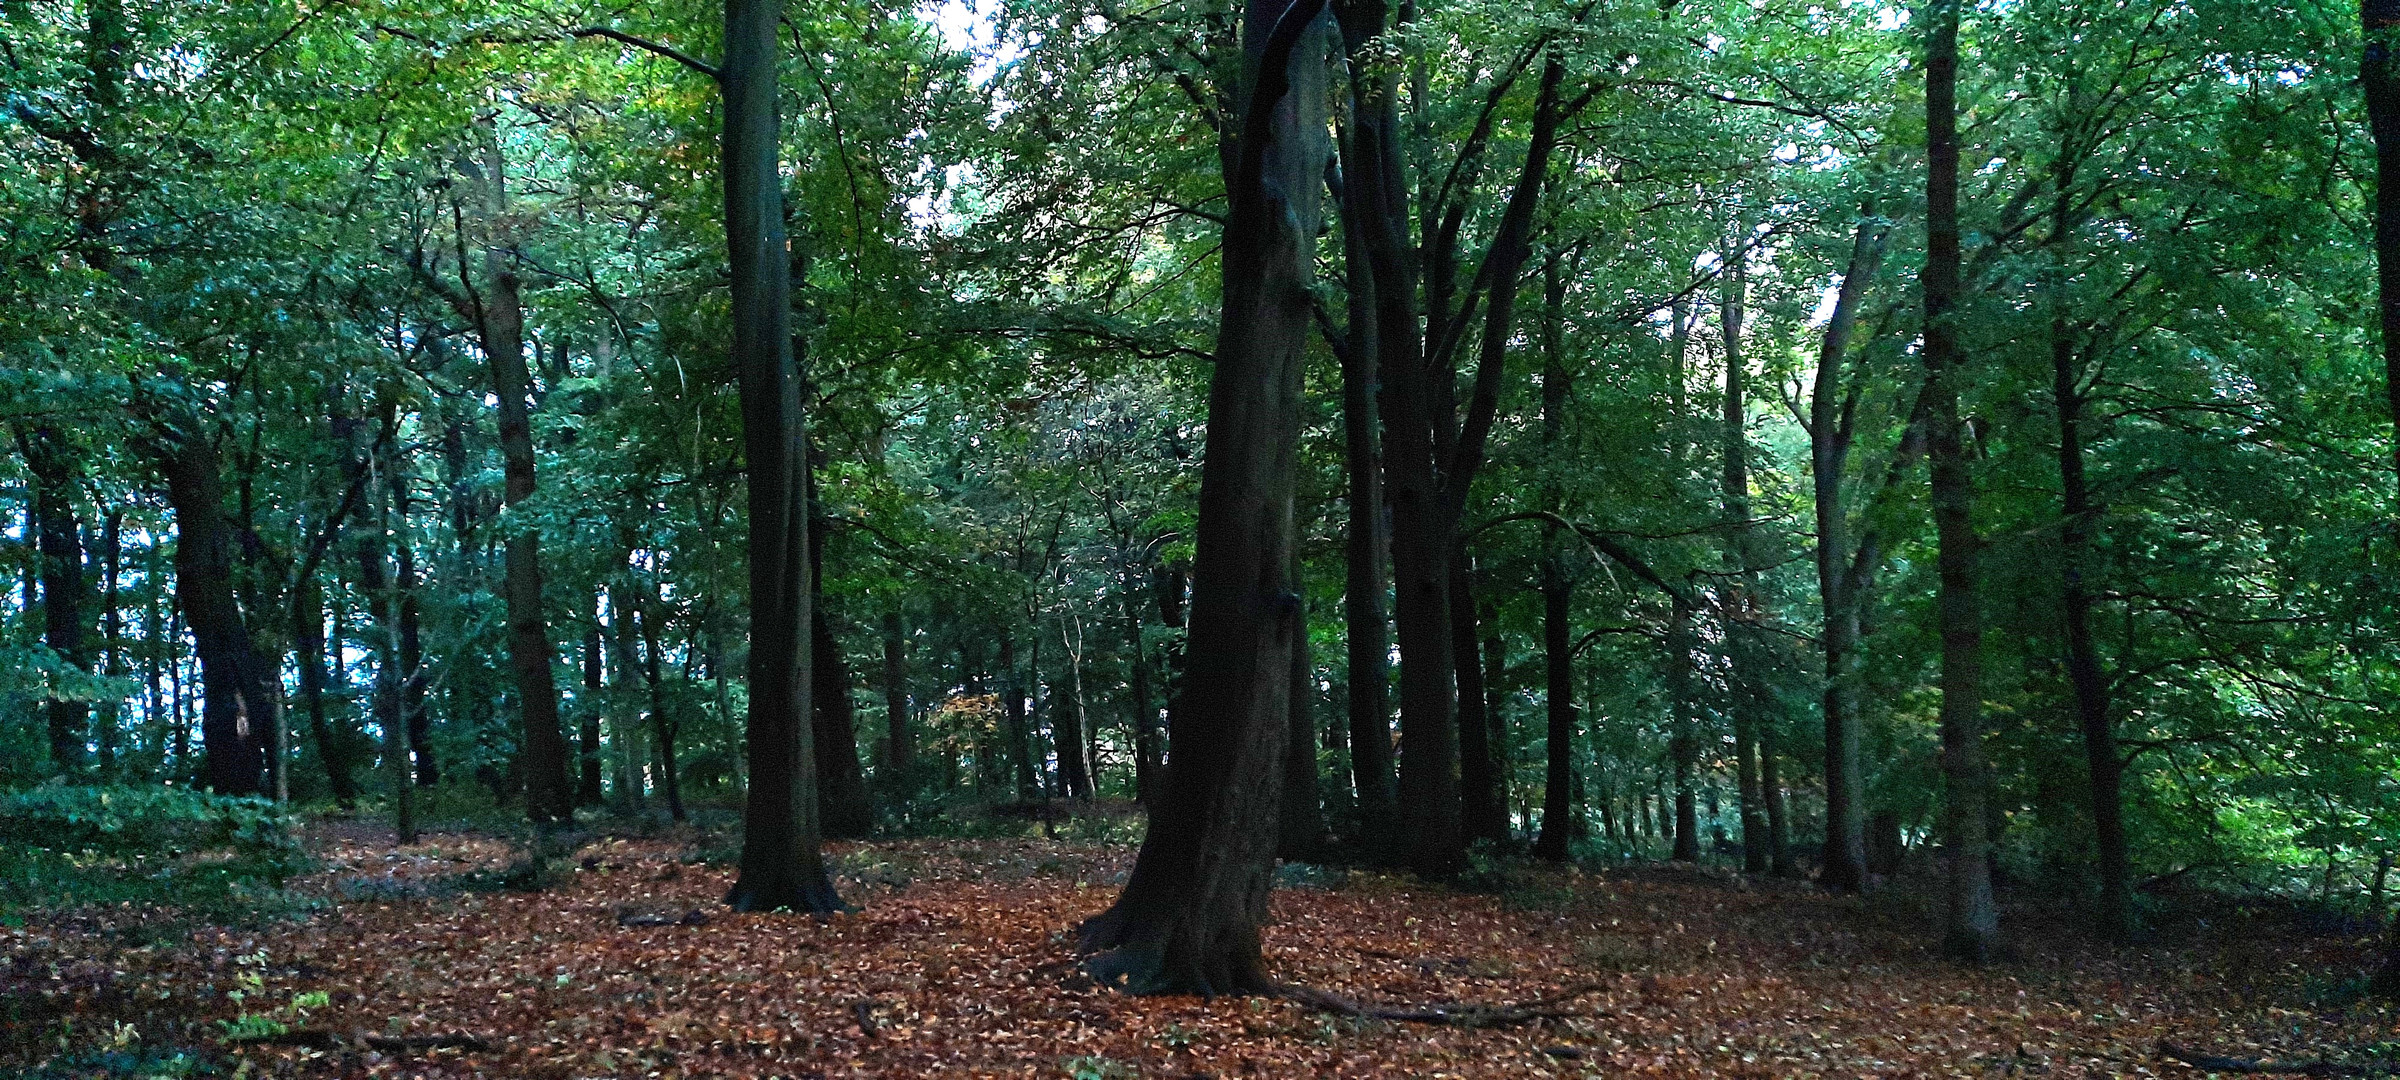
{"x": 2213, "y": 1063}
{"x": 1451, "y": 1015}
{"x": 322, "y": 1039}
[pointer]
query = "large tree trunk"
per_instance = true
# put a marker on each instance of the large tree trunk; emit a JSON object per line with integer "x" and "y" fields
{"x": 59, "y": 546}
{"x": 1558, "y": 661}
{"x": 781, "y": 864}
{"x": 238, "y": 693}
{"x": 1189, "y": 918}
{"x": 1972, "y": 923}
{"x": 1366, "y": 629}
{"x": 1829, "y": 435}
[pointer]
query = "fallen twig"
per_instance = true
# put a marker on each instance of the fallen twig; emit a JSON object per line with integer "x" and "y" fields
{"x": 1452, "y": 1015}
{"x": 322, "y": 1039}
{"x": 2214, "y": 1063}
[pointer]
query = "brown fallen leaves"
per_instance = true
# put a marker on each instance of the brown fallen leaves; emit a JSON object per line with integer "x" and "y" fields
{"x": 958, "y": 965}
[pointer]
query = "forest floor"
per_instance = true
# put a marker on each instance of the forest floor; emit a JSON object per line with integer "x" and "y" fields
{"x": 958, "y": 964}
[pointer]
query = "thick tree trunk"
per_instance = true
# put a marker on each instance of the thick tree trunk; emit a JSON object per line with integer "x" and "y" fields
{"x": 238, "y": 697}
{"x": 781, "y": 865}
{"x": 1971, "y": 926}
{"x": 1190, "y": 917}
{"x": 1367, "y": 639}
{"x": 59, "y": 545}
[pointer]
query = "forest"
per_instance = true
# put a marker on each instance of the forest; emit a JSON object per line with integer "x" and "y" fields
{"x": 1177, "y": 538}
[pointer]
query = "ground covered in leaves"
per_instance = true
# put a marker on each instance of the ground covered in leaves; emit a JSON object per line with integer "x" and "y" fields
{"x": 425, "y": 962}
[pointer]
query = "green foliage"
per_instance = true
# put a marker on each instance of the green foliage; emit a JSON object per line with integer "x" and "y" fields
{"x": 67, "y": 846}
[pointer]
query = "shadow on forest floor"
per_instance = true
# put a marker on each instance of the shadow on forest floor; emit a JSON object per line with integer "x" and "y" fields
{"x": 958, "y": 965}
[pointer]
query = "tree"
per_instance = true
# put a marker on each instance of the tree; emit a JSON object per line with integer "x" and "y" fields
{"x": 1189, "y": 918}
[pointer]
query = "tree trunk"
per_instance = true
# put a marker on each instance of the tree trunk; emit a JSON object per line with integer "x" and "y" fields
{"x": 1066, "y": 719}
{"x": 2103, "y": 764}
{"x": 59, "y": 545}
{"x": 1558, "y": 661}
{"x": 2376, "y": 76}
{"x": 1684, "y": 726}
{"x": 1366, "y": 629}
{"x": 1971, "y": 926}
{"x": 900, "y": 748}
{"x": 1301, "y": 823}
{"x": 413, "y": 711}
{"x": 1829, "y": 431}
{"x": 1482, "y": 813}
{"x": 1190, "y": 916}
{"x": 238, "y": 696}
{"x": 332, "y": 749}
{"x": 1017, "y": 730}
{"x": 663, "y": 723}
{"x": 1142, "y": 716}
{"x": 587, "y": 750}
{"x": 781, "y": 864}
{"x": 1741, "y": 593}
{"x": 842, "y": 801}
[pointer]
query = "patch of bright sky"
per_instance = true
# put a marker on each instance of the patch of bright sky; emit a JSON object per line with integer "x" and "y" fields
{"x": 972, "y": 27}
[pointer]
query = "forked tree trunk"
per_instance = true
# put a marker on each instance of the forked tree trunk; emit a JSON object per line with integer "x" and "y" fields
{"x": 781, "y": 864}
{"x": 1829, "y": 433}
{"x": 238, "y": 698}
{"x": 1190, "y": 916}
{"x": 1972, "y": 923}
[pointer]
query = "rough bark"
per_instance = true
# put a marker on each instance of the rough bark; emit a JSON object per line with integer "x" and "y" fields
{"x": 1190, "y": 916}
{"x": 1971, "y": 922}
{"x": 781, "y": 863}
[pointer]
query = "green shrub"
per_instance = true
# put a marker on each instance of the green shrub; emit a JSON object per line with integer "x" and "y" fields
{"x": 77, "y": 845}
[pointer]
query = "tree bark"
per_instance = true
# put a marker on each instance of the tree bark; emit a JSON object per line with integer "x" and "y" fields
{"x": 842, "y": 800}
{"x": 1366, "y": 628}
{"x": 900, "y": 748}
{"x": 332, "y": 749}
{"x": 1830, "y": 432}
{"x": 1558, "y": 660}
{"x": 238, "y": 696}
{"x": 1189, "y": 919}
{"x": 59, "y": 546}
{"x": 1482, "y": 814}
{"x": 413, "y": 712}
{"x": 2377, "y": 77}
{"x": 781, "y": 864}
{"x": 1683, "y": 741}
{"x": 2079, "y": 523}
{"x": 1301, "y": 822}
{"x": 587, "y": 750}
{"x": 1971, "y": 924}
{"x": 663, "y": 723}
{"x": 1142, "y": 716}
{"x": 1741, "y": 592}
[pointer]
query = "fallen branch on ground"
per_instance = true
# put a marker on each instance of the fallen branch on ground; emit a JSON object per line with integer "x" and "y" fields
{"x": 321, "y": 1039}
{"x": 1452, "y": 1015}
{"x": 2263, "y": 1066}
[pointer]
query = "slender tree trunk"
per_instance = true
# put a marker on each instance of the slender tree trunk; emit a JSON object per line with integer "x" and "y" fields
{"x": 59, "y": 544}
{"x": 107, "y": 719}
{"x": 899, "y": 743}
{"x": 1482, "y": 814}
{"x": 1770, "y": 778}
{"x": 587, "y": 750}
{"x": 1189, "y": 919}
{"x": 1971, "y": 927}
{"x": 413, "y": 711}
{"x": 1684, "y": 739}
{"x": 1558, "y": 661}
{"x": 1366, "y": 628}
{"x": 1066, "y": 718}
{"x": 663, "y": 723}
{"x": 1741, "y": 593}
{"x": 1301, "y": 823}
{"x": 2103, "y": 764}
{"x": 1829, "y": 432}
{"x": 332, "y": 749}
{"x": 781, "y": 864}
{"x": 842, "y": 801}
{"x": 1142, "y": 716}
{"x": 1017, "y": 732}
